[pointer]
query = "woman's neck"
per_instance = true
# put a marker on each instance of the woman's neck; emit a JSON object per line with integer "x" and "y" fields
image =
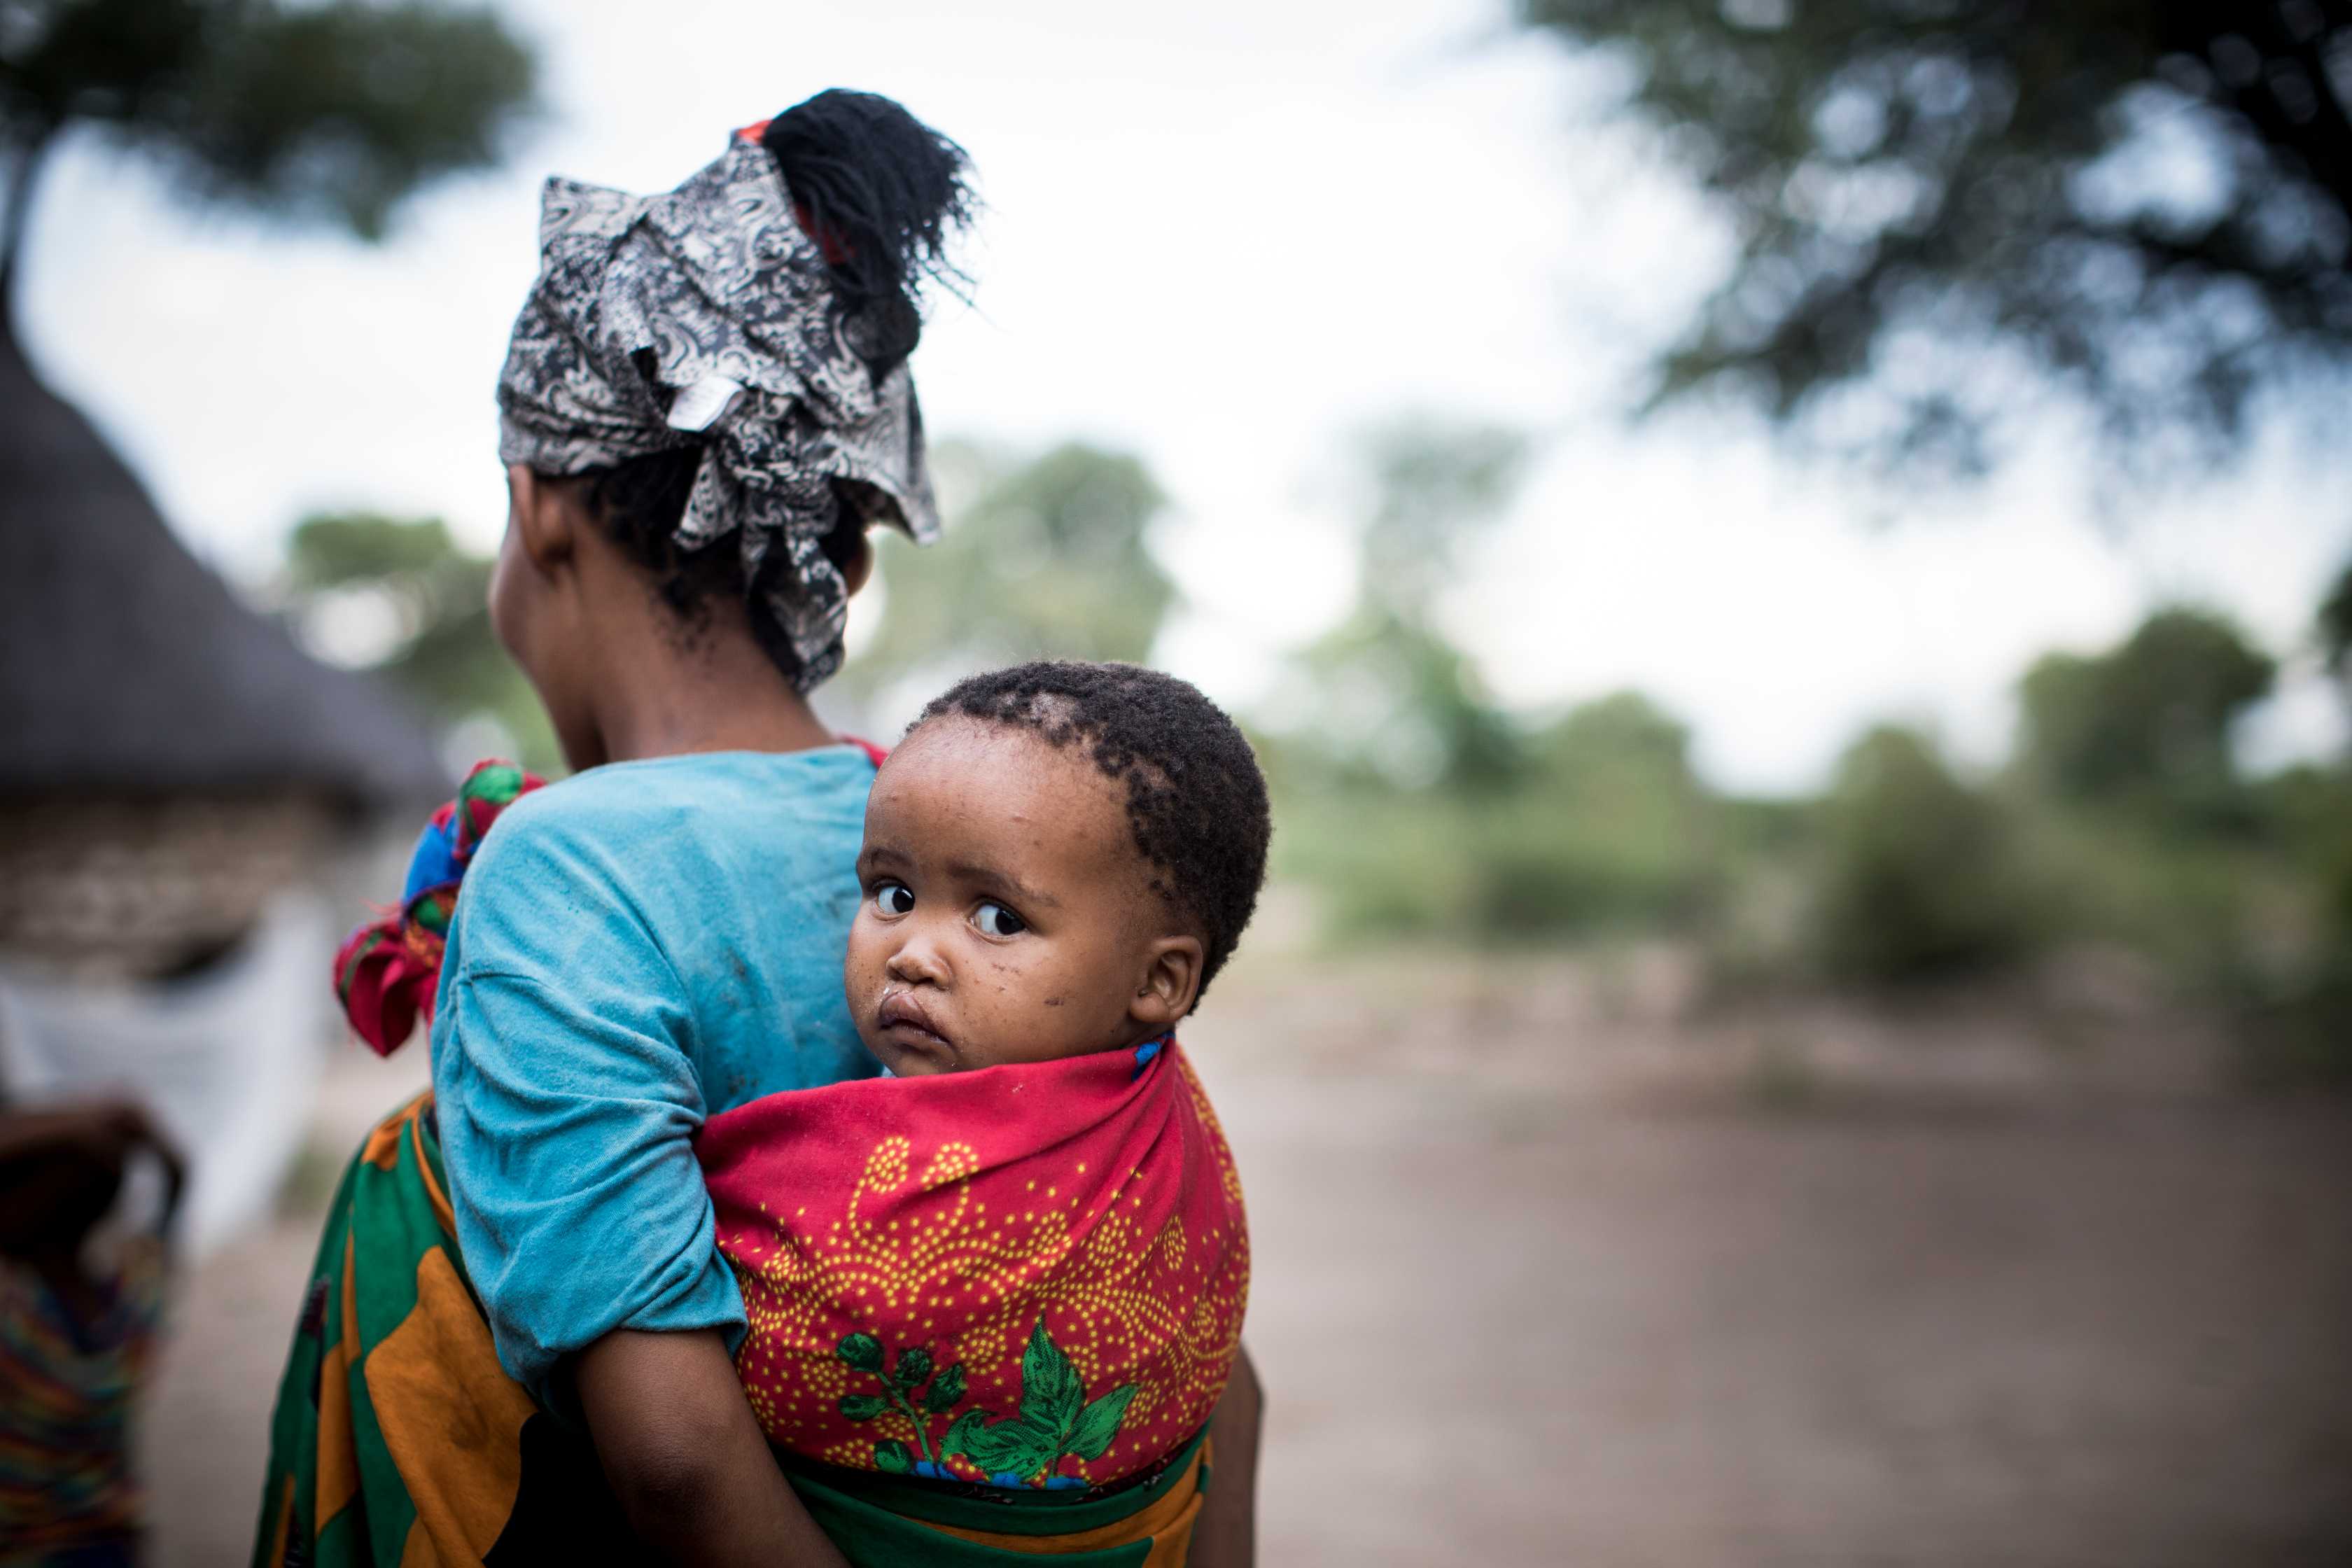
{"x": 655, "y": 732}
{"x": 715, "y": 692}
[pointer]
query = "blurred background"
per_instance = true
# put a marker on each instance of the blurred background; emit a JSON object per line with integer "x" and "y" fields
{"x": 1790, "y": 562}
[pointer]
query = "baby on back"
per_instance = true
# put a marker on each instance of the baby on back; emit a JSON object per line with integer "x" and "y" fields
{"x": 1015, "y": 1267}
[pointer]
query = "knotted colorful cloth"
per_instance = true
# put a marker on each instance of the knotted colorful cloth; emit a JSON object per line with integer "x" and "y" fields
{"x": 397, "y": 1437}
{"x": 388, "y": 970}
{"x": 1026, "y": 1276}
{"x": 708, "y": 315}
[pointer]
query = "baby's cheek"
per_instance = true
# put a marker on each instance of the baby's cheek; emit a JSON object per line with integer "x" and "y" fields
{"x": 861, "y": 967}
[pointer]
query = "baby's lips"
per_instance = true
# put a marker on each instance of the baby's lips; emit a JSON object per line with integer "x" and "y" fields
{"x": 900, "y": 1006}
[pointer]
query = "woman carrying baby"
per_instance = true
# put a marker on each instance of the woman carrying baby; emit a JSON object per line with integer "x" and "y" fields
{"x": 996, "y": 1295}
{"x": 518, "y": 1343}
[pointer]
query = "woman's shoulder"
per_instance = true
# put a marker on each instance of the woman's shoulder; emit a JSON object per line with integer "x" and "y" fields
{"x": 620, "y": 802}
{"x": 650, "y": 841}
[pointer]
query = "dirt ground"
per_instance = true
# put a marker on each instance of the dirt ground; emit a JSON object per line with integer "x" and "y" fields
{"x": 1552, "y": 1269}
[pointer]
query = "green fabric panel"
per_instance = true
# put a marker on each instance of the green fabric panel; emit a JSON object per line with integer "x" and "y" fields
{"x": 344, "y": 1543}
{"x": 390, "y": 1214}
{"x": 395, "y": 1218}
{"x": 382, "y": 1506}
{"x": 873, "y": 1537}
{"x": 294, "y": 1418}
{"x": 1020, "y": 1513}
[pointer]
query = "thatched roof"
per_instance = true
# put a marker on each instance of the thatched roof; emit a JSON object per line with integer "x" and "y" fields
{"x": 127, "y": 668}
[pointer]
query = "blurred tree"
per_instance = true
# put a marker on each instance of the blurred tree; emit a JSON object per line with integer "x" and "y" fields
{"x": 1426, "y": 488}
{"x": 1387, "y": 699}
{"x": 332, "y": 110}
{"x": 1050, "y": 558}
{"x": 1919, "y": 875}
{"x": 1600, "y": 826}
{"x": 2150, "y": 718}
{"x": 1613, "y": 826}
{"x": 2336, "y": 628}
{"x": 1386, "y": 693}
{"x": 422, "y": 602}
{"x": 1624, "y": 744}
{"x": 2152, "y": 199}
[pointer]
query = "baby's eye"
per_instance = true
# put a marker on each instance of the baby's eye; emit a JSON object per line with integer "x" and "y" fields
{"x": 893, "y": 899}
{"x": 994, "y": 920}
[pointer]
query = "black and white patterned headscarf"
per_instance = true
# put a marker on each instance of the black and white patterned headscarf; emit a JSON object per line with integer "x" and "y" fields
{"x": 708, "y": 316}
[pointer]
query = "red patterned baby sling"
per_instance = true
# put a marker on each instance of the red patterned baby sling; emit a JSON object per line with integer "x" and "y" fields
{"x": 1027, "y": 1278}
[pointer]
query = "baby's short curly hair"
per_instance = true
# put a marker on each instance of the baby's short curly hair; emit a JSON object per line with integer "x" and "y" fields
{"x": 1195, "y": 798}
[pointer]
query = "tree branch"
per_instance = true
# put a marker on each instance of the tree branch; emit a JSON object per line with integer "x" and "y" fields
{"x": 2323, "y": 143}
{"x": 24, "y": 174}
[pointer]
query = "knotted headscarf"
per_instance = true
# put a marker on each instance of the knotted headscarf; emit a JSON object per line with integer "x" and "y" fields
{"x": 709, "y": 315}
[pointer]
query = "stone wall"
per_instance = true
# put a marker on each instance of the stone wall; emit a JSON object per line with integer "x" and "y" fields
{"x": 99, "y": 890}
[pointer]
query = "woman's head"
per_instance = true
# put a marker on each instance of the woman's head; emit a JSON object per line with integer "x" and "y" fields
{"x": 712, "y": 382}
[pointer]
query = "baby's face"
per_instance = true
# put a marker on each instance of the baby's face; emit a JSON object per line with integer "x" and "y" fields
{"x": 1008, "y": 914}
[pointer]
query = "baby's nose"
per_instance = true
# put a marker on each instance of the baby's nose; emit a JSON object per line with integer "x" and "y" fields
{"x": 918, "y": 959}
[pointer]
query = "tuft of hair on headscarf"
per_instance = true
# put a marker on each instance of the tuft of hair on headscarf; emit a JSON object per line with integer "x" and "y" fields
{"x": 886, "y": 191}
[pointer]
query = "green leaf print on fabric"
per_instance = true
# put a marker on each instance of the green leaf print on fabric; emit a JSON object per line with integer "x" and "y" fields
{"x": 1055, "y": 1420}
{"x": 1097, "y": 1423}
{"x": 902, "y": 1384}
{"x": 945, "y": 1389}
{"x": 914, "y": 1366}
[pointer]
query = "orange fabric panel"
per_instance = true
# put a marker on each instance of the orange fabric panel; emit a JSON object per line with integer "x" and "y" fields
{"x": 451, "y": 1418}
{"x": 433, "y": 1192}
{"x": 339, "y": 1459}
{"x": 285, "y": 1528}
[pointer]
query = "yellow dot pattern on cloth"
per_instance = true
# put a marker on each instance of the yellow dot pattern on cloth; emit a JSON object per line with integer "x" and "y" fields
{"x": 1137, "y": 1265}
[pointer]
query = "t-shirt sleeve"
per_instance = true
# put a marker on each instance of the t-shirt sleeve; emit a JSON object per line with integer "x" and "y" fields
{"x": 567, "y": 1106}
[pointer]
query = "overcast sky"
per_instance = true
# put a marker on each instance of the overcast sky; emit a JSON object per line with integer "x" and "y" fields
{"x": 1224, "y": 236}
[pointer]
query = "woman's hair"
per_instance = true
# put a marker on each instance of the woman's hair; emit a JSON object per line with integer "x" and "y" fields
{"x": 881, "y": 193}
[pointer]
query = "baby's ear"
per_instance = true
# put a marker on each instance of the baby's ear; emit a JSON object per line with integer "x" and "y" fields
{"x": 1171, "y": 979}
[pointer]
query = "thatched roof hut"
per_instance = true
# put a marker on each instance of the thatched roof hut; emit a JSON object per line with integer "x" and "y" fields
{"x": 168, "y": 759}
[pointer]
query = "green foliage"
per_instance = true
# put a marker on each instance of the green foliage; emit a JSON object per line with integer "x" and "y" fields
{"x": 1919, "y": 874}
{"x": 443, "y": 652}
{"x": 2148, "y": 720}
{"x": 1429, "y": 487}
{"x": 336, "y": 110}
{"x": 2310, "y": 1032}
{"x": 334, "y": 549}
{"x": 1050, "y": 559}
{"x": 1386, "y": 695}
{"x": 2190, "y": 901}
{"x": 1389, "y": 699}
{"x": 1894, "y": 170}
{"x": 1600, "y": 826}
{"x": 2335, "y": 627}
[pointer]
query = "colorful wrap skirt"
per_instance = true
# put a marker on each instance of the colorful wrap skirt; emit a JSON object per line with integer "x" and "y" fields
{"x": 68, "y": 1493}
{"x": 397, "y": 1437}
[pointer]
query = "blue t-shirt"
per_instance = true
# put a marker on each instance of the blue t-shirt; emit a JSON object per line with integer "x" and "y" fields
{"x": 636, "y": 948}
